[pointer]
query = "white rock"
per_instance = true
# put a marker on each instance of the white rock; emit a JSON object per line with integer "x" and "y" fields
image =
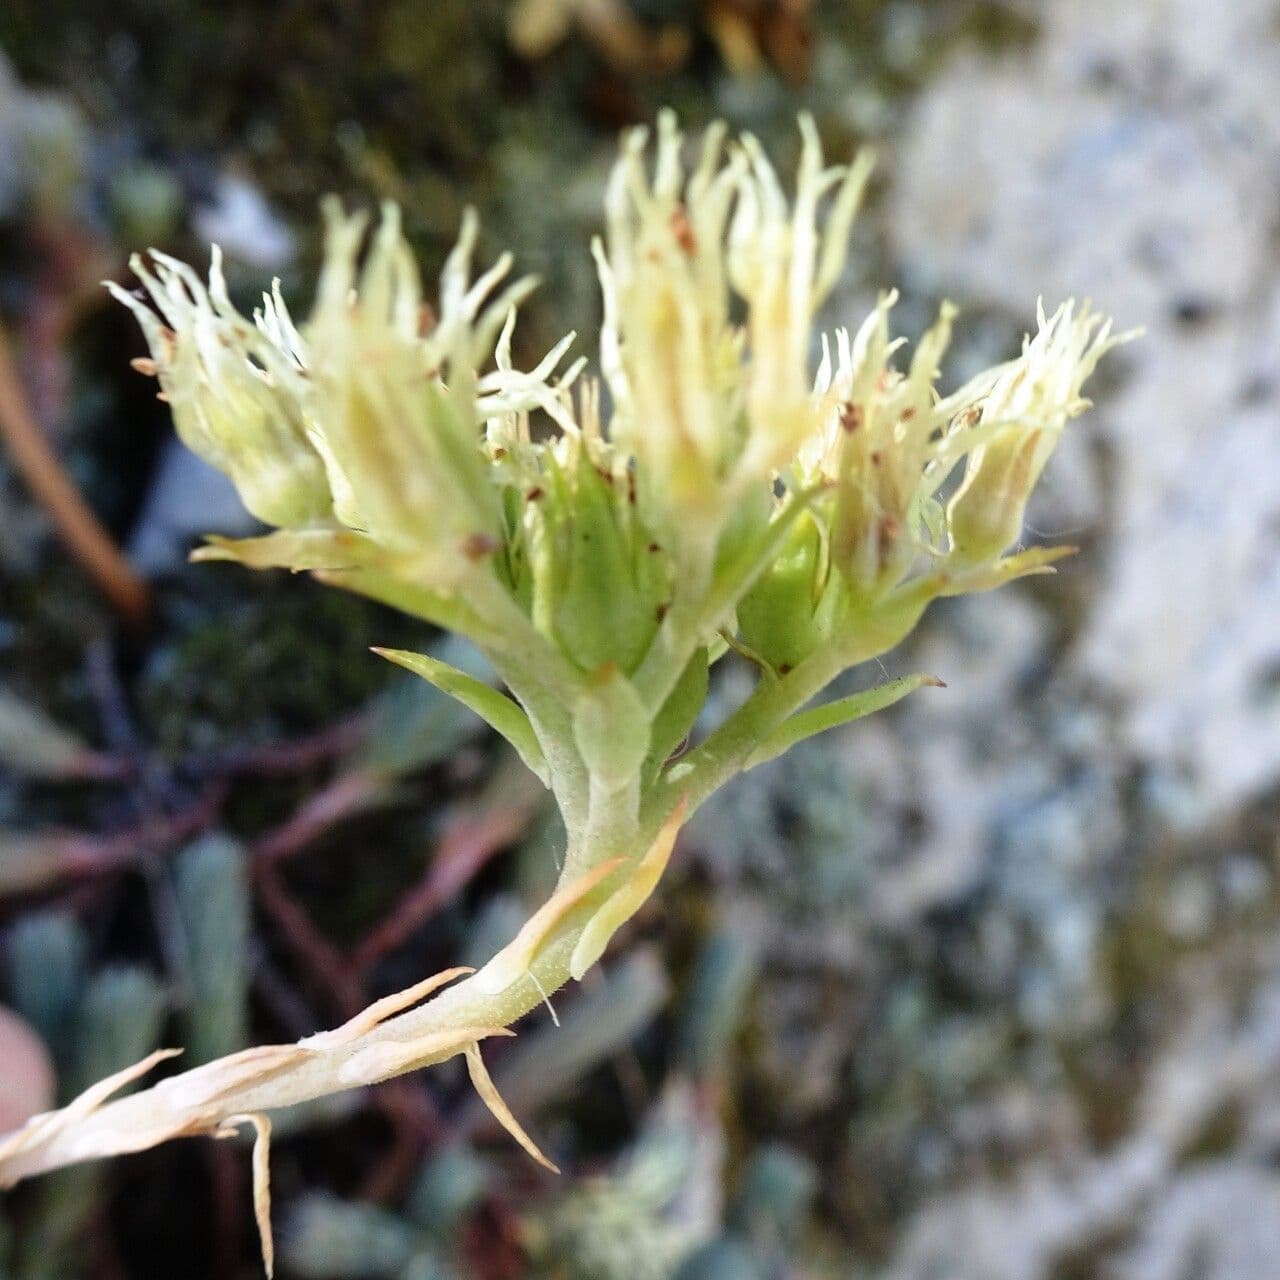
{"x": 1134, "y": 156}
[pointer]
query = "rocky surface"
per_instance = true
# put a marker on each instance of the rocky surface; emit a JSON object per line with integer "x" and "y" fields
{"x": 1131, "y": 156}
{"x": 1135, "y": 158}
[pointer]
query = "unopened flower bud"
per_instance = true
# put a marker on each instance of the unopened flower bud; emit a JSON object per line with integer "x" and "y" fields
{"x": 788, "y": 612}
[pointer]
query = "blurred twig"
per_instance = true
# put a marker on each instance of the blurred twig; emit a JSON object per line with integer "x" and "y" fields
{"x": 472, "y": 837}
{"x": 39, "y": 860}
{"x": 347, "y": 794}
{"x": 287, "y": 756}
{"x": 79, "y": 528}
{"x": 323, "y": 961}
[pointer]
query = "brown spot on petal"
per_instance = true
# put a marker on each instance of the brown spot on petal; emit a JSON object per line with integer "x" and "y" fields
{"x": 475, "y": 546}
{"x": 682, "y": 229}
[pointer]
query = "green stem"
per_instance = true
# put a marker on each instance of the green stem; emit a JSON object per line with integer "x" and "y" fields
{"x": 705, "y": 600}
{"x": 540, "y": 678}
{"x": 725, "y": 753}
{"x": 729, "y": 749}
{"x": 610, "y": 831}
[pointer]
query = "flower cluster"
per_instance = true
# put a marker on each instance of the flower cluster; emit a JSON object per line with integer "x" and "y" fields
{"x": 718, "y": 475}
{"x": 603, "y": 543}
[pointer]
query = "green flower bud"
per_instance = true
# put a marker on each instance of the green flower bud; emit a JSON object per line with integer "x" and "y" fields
{"x": 788, "y": 612}
{"x": 580, "y": 559}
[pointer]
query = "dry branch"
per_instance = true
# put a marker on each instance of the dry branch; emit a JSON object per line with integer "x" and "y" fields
{"x": 76, "y": 523}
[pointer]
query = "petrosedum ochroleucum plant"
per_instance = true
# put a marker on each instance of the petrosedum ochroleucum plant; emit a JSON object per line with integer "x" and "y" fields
{"x": 602, "y": 545}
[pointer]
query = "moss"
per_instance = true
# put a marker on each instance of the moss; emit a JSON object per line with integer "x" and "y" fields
{"x": 237, "y": 661}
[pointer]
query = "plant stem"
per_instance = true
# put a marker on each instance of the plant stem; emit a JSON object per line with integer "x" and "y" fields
{"x": 269, "y": 1077}
{"x": 729, "y": 749}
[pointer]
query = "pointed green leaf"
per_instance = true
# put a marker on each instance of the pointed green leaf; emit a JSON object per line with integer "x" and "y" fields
{"x": 1026, "y": 564}
{"x": 499, "y": 711}
{"x": 831, "y": 715}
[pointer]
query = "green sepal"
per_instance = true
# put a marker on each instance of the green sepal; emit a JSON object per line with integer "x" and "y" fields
{"x": 675, "y": 720}
{"x": 599, "y": 616}
{"x": 1026, "y": 564}
{"x": 830, "y": 715}
{"x": 494, "y": 707}
{"x": 744, "y": 555}
{"x": 296, "y": 549}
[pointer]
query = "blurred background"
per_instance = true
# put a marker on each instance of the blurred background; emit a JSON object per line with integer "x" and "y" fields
{"x": 986, "y": 988}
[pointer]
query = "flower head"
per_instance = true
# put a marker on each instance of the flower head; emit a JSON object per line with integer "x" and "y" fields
{"x": 721, "y": 482}
{"x": 368, "y": 416}
{"x": 216, "y": 371}
{"x": 709, "y": 408}
{"x": 888, "y": 446}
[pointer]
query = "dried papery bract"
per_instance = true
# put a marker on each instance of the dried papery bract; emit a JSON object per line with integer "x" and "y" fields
{"x": 731, "y": 496}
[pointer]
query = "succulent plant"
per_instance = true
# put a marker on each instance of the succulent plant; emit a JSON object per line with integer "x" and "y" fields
{"x": 603, "y": 545}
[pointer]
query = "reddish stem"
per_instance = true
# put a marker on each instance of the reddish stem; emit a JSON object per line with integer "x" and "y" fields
{"x": 74, "y": 519}
{"x": 471, "y": 839}
{"x": 347, "y": 794}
